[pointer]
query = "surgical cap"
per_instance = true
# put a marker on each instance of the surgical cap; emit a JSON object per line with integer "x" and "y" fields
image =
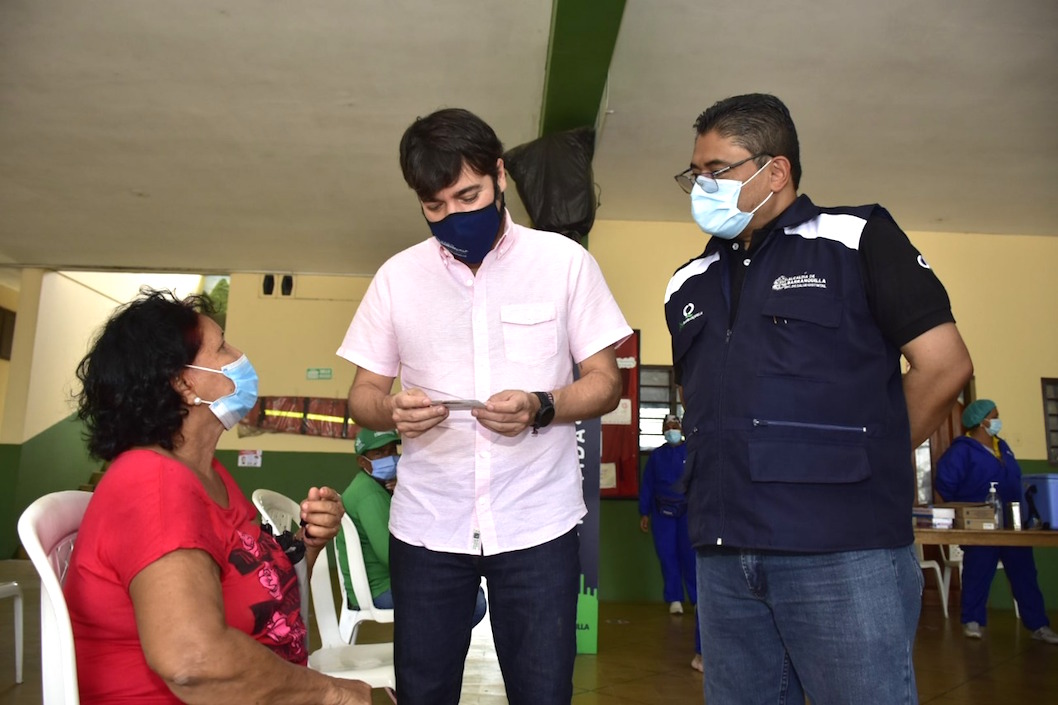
{"x": 975, "y": 413}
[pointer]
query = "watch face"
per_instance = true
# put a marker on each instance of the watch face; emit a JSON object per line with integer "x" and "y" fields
{"x": 547, "y": 410}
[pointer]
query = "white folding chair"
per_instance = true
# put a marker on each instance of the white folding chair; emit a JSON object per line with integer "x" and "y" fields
{"x": 47, "y": 530}
{"x": 280, "y": 511}
{"x": 284, "y": 514}
{"x": 371, "y": 663}
{"x": 942, "y": 578}
{"x": 13, "y": 590}
{"x": 349, "y": 621}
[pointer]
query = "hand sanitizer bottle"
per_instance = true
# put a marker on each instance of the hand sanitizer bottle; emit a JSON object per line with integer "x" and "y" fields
{"x": 996, "y": 504}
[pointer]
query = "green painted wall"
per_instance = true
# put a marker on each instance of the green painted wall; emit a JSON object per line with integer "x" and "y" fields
{"x": 290, "y": 473}
{"x": 9, "y": 511}
{"x": 53, "y": 460}
{"x": 628, "y": 567}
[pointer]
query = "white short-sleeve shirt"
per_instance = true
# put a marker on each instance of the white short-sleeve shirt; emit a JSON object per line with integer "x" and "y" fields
{"x": 537, "y": 305}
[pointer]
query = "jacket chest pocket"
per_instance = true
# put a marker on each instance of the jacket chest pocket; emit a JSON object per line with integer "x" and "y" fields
{"x": 802, "y": 335}
{"x": 530, "y": 332}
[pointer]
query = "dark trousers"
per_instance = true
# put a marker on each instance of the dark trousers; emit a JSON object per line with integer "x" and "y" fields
{"x": 979, "y": 567}
{"x": 532, "y": 605}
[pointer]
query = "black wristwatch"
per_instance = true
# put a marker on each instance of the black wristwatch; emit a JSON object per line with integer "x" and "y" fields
{"x": 546, "y": 414}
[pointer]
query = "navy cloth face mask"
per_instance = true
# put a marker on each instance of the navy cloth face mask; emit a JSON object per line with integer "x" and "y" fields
{"x": 470, "y": 235}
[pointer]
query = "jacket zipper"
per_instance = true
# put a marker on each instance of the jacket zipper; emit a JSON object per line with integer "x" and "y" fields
{"x": 720, "y": 404}
{"x": 816, "y": 426}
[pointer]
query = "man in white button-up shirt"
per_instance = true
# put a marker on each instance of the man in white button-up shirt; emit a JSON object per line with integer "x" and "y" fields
{"x": 493, "y": 316}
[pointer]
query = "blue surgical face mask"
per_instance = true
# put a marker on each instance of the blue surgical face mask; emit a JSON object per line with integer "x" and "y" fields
{"x": 384, "y": 469}
{"x": 717, "y": 213}
{"x": 673, "y": 436}
{"x": 232, "y": 407}
{"x": 470, "y": 235}
{"x": 994, "y": 427}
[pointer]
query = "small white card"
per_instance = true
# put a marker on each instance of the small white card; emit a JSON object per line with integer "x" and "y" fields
{"x": 462, "y": 404}
{"x": 249, "y": 459}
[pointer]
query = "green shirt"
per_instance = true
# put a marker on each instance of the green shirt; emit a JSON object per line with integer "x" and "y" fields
{"x": 367, "y": 504}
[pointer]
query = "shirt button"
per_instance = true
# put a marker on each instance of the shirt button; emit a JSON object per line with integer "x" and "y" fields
{"x": 469, "y": 282}
{"x": 734, "y": 246}
{"x": 746, "y": 261}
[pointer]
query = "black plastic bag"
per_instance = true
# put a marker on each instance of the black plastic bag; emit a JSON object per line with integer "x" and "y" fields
{"x": 554, "y": 179}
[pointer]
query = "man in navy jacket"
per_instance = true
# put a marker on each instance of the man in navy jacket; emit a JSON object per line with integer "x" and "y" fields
{"x": 787, "y": 334}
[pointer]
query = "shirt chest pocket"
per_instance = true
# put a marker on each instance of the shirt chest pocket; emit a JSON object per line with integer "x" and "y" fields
{"x": 530, "y": 332}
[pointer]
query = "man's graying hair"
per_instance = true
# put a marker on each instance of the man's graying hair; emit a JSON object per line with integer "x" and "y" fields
{"x": 759, "y": 123}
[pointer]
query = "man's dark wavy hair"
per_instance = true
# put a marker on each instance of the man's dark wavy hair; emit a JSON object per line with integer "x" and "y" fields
{"x": 127, "y": 398}
{"x": 434, "y": 149}
{"x": 758, "y": 122}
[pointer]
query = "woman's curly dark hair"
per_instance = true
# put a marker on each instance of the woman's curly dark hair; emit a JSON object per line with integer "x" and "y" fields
{"x": 127, "y": 398}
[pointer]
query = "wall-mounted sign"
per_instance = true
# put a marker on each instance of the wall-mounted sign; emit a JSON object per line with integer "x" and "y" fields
{"x": 318, "y": 373}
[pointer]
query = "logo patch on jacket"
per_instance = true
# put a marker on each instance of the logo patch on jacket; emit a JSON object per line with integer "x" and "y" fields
{"x": 798, "y": 281}
{"x": 689, "y": 314}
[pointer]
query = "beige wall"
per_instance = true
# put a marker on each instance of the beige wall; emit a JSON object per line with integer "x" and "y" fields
{"x": 1003, "y": 290}
{"x": 284, "y": 336}
{"x": 59, "y": 316}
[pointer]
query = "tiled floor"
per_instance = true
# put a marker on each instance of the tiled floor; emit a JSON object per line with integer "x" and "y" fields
{"x": 645, "y": 658}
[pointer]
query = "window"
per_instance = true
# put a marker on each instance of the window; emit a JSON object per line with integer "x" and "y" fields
{"x": 657, "y": 398}
{"x": 1050, "y": 417}
{"x": 7, "y": 332}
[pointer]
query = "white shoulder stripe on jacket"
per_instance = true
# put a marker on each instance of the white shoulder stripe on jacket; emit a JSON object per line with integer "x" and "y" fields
{"x": 840, "y": 227}
{"x": 691, "y": 269}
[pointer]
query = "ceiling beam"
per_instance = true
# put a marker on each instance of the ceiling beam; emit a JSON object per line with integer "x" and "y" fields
{"x": 583, "y": 35}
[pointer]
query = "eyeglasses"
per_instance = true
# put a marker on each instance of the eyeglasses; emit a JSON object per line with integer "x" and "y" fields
{"x": 707, "y": 179}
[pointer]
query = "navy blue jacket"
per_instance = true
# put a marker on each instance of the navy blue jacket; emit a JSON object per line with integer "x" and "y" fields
{"x": 967, "y": 468}
{"x": 663, "y": 471}
{"x": 796, "y": 424}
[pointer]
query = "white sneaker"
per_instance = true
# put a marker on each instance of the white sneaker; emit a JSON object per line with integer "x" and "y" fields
{"x": 696, "y": 663}
{"x": 973, "y": 631}
{"x": 1045, "y": 634}
{"x": 675, "y": 608}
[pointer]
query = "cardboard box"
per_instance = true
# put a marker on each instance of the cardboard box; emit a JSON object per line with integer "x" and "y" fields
{"x": 972, "y": 515}
{"x": 1045, "y": 497}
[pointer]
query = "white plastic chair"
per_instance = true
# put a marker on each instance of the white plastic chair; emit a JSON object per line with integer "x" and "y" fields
{"x": 47, "y": 530}
{"x": 13, "y": 590}
{"x": 372, "y": 663}
{"x": 349, "y": 620}
{"x": 283, "y": 514}
{"x": 335, "y": 629}
{"x": 280, "y": 511}
{"x": 942, "y": 578}
{"x": 953, "y": 558}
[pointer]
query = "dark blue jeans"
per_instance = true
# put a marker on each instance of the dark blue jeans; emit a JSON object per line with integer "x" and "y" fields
{"x": 533, "y": 607}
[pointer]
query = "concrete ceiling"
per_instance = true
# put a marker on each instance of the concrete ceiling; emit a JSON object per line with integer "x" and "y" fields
{"x": 257, "y": 135}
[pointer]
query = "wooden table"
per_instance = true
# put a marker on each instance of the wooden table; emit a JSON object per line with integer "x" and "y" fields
{"x": 1003, "y": 537}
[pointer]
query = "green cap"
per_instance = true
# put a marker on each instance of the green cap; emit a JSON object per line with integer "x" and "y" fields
{"x": 369, "y": 440}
